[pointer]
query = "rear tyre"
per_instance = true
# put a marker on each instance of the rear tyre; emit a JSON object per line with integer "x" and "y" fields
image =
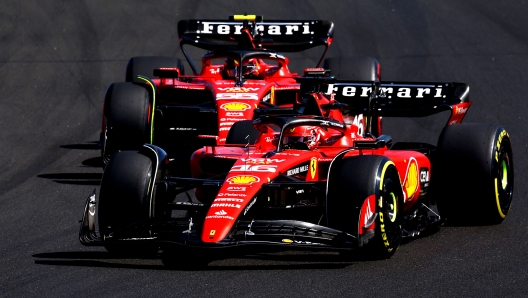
{"x": 353, "y": 68}
{"x": 365, "y": 199}
{"x": 242, "y": 132}
{"x": 473, "y": 174}
{"x": 124, "y": 198}
{"x": 127, "y": 119}
{"x": 145, "y": 66}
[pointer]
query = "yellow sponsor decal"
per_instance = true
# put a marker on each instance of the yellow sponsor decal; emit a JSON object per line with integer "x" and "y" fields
{"x": 235, "y": 106}
{"x": 313, "y": 167}
{"x": 245, "y": 179}
{"x": 412, "y": 179}
{"x": 212, "y": 233}
{"x": 287, "y": 240}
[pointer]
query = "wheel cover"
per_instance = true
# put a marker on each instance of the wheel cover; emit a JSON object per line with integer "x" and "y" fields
{"x": 504, "y": 175}
{"x": 392, "y": 210}
{"x": 504, "y": 181}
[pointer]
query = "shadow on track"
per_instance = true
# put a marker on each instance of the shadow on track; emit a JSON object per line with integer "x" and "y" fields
{"x": 74, "y": 178}
{"x": 109, "y": 260}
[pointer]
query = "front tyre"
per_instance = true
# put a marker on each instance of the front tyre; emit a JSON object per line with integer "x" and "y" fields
{"x": 124, "y": 198}
{"x": 365, "y": 199}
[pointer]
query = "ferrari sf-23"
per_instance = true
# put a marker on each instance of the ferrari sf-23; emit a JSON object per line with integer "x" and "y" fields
{"x": 320, "y": 176}
{"x": 242, "y": 69}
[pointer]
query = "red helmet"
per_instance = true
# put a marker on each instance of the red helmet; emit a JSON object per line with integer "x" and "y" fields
{"x": 295, "y": 137}
{"x": 250, "y": 69}
{"x": 230, "y": 68}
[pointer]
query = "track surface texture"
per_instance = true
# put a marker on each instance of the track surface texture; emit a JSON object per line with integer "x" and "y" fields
{"x": 58, "y": 57}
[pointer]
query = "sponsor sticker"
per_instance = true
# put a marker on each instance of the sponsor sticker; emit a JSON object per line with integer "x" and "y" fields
{"x": 400, "y": 92}
{"x": 254, "y": 168}
{"x": 225, "y": 205}
{"x": 236, "y": 188}
{"x": 238, "y": 89}
{"x": 297, "y": 170}
{"x": 249, "y": 206}
{"x": 235, "y": 114}
{"x": 224, "y": 194}
{"x": 264, "y": 161}
{"x": 218, "y": 200}
{"x": 243, "y": 179}
{"x": 411, "y": 179}
{"x": 237, "y": 95}
{"x": 220, "y": 217}
{"x": 235, "y": 106}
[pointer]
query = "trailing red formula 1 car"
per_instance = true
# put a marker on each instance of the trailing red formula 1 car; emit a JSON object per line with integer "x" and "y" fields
{"x": 241, "y": 71}
{"x": 319, "y": 176}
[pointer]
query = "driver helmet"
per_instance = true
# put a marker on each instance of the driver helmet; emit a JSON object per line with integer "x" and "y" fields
{"x": 230, "y": 68}
{"x": 309, "y": 135}
{"x": 251, "y": 68}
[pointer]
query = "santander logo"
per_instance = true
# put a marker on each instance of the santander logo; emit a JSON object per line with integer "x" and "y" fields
{"x": 221, "y": 212}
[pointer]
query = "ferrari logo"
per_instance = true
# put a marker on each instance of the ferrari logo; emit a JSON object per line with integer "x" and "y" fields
{"x": 212, "y": 233}
{"x": 313, "y": 167}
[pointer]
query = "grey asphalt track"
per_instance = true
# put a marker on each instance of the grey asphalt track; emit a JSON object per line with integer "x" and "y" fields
{"x": 58, "y": 57}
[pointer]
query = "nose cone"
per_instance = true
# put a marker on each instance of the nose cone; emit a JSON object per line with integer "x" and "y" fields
{"x": 234, "y": 196}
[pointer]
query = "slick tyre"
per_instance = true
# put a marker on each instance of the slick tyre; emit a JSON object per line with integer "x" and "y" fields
{"x": 353, "y": 68}
{"x": 365, "y": 199}
{"x": 473, "y": 174}
{"x": 242, "y": 132}
{"x": 126, "y": 119}
{"x": 124, "y": 198}
{"x": 145, "y": 66}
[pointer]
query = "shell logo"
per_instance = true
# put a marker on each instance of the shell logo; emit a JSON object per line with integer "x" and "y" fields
{"x": 246, "y": 179}
{"x": 235, "y": 106}
{"x": 411, "y": 181}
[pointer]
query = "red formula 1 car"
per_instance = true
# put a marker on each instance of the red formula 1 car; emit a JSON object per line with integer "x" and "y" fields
{"x": 320, "y": 176}
{"x": 241, "y": 71}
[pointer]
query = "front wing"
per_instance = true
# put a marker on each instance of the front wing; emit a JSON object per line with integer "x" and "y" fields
{"x": 170, "y": 233}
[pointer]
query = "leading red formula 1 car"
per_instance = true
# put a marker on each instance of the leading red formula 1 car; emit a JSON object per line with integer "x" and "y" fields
{"x": 242, "y": 70}
{"x": 320, "y": 176}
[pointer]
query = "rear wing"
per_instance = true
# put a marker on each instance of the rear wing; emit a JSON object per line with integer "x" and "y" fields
{"x": 398, "y": 99}
{"x": 391, "y": 99}
{"x": 280, "y": 35}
